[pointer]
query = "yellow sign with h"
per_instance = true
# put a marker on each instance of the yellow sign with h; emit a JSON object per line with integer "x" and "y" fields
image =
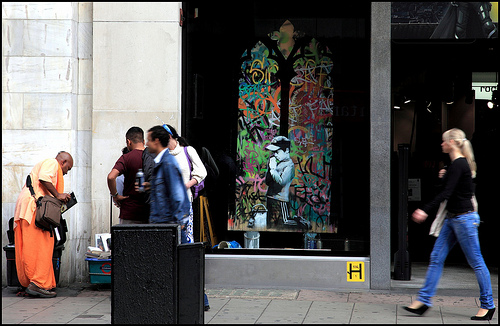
{"x": 355, "y": 271}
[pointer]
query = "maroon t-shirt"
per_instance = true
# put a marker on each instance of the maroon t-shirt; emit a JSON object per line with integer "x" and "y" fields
{"x": 134, "y": 207}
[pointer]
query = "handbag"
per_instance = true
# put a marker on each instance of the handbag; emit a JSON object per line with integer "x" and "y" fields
{"x": 439, "y": 220}
{"x": 441, "y": 215}
{"x": 48, "y": 210}
{"x": 197, "y": 188}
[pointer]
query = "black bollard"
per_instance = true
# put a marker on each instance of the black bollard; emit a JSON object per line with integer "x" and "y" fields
{"x": 144, "y": 277}
{"x": 191, "y": 271}
{"x": 155, "y": 279}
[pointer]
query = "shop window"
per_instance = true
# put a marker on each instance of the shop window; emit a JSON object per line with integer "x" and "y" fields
{"x": 238, "y": 63}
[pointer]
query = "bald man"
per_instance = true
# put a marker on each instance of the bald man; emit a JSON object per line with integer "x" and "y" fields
{"x": 34, "y": 247}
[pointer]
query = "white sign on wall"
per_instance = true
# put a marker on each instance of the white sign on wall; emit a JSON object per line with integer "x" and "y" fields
{"x": 484, "y": 89}
{"x": 414, "y": 190}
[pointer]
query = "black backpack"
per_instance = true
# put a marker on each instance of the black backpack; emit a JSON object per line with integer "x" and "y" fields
{"x": 211, "y": 167}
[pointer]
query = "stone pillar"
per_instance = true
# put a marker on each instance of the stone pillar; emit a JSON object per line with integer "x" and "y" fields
{"x": 380, "y": 148}
{"x": 136, "y": 77}
{"x": 46, "y": 107}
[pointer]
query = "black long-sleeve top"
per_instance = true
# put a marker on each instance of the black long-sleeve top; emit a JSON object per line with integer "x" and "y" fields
{"x": 458, "y": 189}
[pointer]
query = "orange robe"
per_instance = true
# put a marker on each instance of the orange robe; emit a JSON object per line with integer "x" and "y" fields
{"x": 34, "y": 247}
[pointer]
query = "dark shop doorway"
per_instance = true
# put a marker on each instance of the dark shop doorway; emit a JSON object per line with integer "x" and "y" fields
{"x": 437, "y": 76}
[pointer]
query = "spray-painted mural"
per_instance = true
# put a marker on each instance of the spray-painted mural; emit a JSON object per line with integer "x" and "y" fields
{"x": 284, "y": 146}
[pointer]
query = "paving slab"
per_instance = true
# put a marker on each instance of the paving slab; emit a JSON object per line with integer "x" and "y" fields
{"x": 326, "y": 296}
{"x": 253, "y": 293}
{"x": 366, "y": 313}
{"x": 454, "y": 301}
{"x": 239, "y": 311}
{"x": 380, "y": 298}
{"x": 52, "y": 316}
{"x": 63, "y": 310}
{"x": 95, "y": 293}
{"x": 92, "y": 319}
{"x": 216, "y": 305}
{"x": 460, "y": 315}
{"x": 329, "y": 313}
{"x": 15, "y": 315}
{"x": 22, "y": 310}
{"x": 285, "y": 312}
{"x": 8, "y": 301}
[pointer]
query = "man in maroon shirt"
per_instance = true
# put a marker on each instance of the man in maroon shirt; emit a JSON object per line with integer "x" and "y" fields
{"x": 133, "y": 205}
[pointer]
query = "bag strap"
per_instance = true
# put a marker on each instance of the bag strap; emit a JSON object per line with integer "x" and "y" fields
{"x": 189, "y": 161}
{"x": 30, "y": 186}
{"x": 190, "y": 166}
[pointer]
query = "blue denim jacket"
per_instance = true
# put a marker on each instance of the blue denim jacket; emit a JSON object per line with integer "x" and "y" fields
{"x": 169, "y": 199}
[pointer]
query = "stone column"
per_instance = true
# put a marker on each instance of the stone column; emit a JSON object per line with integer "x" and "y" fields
{"x": 380, "y": 148}
{"x": 46, "y": 107}
{"x": 136, "y": 77}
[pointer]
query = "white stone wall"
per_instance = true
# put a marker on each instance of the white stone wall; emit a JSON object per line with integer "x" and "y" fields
{"x": 76, "y": 76}
{"x": 137, "y": 67}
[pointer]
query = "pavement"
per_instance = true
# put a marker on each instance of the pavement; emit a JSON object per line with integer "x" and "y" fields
{"x": 455, "y": 301}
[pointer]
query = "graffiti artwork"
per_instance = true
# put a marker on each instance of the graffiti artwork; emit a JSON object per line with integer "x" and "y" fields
{"x": 284, "y": 145}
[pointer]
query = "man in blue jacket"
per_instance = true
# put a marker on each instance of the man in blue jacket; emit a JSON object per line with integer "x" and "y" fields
{"x": 168, "y": 197}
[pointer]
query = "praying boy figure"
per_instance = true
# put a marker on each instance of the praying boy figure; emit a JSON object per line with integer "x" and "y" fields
{"x": 280, "y": 174}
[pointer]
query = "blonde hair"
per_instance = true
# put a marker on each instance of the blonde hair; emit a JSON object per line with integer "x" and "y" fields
{"x": 465, "y": 146}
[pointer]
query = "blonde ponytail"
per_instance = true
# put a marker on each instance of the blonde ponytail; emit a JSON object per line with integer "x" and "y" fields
{"x": 469, "y": 155}
{"x": 465, "y": 147}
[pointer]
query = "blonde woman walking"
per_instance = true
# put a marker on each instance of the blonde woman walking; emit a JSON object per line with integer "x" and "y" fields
{"x": 460, "y": 225}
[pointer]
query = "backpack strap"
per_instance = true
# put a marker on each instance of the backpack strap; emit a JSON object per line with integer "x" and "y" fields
{"x": 147, "y": 168}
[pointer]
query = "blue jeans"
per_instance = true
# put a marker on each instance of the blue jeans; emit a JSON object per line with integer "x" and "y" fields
{"x": 185, "y": 237}
{"x": 461, "y": 229}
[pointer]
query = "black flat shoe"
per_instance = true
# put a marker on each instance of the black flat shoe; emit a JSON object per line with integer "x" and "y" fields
{"x": 419, "y": 311}
{"x": 487, "y": 316}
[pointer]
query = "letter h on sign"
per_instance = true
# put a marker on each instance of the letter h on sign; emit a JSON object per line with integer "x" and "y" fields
{"x": 355, "y": 271}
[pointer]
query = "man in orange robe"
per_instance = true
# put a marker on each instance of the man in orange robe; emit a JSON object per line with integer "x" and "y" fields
{"x": 34, "y": 247}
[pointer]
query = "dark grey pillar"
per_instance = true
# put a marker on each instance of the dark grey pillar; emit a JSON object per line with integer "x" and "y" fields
{"x": 380, "y": 150}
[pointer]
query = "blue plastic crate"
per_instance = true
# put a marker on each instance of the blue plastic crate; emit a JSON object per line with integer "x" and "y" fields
{"x": 99, "y": 270}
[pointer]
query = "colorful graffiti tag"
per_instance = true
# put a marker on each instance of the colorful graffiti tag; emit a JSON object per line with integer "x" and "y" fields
{"x": 284, "y": 177}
